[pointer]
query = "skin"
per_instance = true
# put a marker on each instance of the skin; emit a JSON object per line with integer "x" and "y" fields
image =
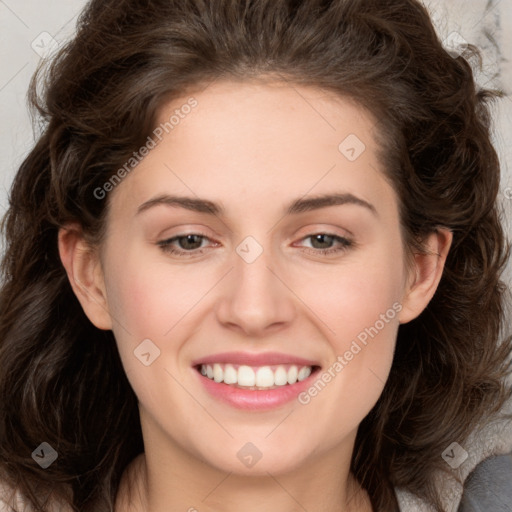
{"x": 253, "y": 148}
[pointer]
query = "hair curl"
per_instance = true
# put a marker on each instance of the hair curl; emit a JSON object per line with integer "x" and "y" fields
{"x": 61, "y": 379}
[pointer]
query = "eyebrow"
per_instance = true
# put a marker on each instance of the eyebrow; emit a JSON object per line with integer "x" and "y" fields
{"x": 298, "y": 206}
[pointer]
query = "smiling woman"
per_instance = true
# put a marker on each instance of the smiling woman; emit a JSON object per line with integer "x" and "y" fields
{"x": 296, "y": 288}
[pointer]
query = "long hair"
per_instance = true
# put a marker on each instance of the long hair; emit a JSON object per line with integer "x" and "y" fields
{"x": 61, "y": 379}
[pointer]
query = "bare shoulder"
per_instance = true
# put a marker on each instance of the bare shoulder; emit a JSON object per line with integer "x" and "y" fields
{"x": 11, "y": 500}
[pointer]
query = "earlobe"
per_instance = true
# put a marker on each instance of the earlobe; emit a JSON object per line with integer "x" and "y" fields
{"x": 85, "y": 275}
{"x": 426, "y": 274}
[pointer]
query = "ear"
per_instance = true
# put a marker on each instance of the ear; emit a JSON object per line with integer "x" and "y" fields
{"x": 425, "y": 274}
{"x": 85, "y": 275}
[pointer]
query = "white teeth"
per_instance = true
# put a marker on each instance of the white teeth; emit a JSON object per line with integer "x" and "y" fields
{"x": 246, "y": 376}
{"x": 280, "y": 376}
{"x": 304, "y": 373}
{"x": 263, "y": 377}
{"x": 218, "y": 373}
{"x": 230, "y": 375}
{"x": 292, "y": 375}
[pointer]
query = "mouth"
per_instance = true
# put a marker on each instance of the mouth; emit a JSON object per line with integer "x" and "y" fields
{"x": 255, "y": 381}
{"x": 256, "y": 378}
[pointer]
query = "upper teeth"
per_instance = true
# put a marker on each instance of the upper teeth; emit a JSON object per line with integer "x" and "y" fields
{"x": 261, "y": 377}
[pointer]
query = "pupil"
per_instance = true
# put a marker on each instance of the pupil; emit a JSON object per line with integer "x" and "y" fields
{"x": 190, "y": 238}
{"x": 322, "y": 237}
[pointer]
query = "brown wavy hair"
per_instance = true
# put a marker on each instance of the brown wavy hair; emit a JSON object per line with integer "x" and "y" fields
{"x": 61, "y": 378}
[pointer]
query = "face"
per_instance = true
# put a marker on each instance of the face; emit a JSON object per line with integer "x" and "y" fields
{"x": 282, "y": 273}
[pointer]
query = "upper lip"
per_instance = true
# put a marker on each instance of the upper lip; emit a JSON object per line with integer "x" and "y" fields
{"x": 261, "y": 359}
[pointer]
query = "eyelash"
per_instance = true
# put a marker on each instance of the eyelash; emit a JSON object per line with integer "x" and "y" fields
{"x": 166, "y": 246}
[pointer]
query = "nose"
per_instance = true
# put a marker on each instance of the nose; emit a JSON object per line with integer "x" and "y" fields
{"x": 255, "y": 297}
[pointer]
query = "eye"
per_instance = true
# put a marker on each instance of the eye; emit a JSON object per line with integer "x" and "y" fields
{"x": 326, "y": 241}
{"x": 189, "y": 244}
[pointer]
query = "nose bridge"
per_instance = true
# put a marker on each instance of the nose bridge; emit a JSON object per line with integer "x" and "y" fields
{"x": 256, "y": 298}
{"x": 255, "y": 282}
{"x": 252, "y": 266}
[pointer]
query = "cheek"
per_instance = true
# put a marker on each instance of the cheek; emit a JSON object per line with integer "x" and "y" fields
{"x": 145, "y": 309}
{"x": 362, "y": 348}
{"x": 359, "y": 305}
{"x": 137, "y": 303}
{"x": 148, "y": 298}
{"x": 356, "y": 296}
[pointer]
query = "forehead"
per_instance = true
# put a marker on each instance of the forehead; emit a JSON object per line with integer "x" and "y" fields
{"x": 279, "y": 114}
{"x": 244, "y": 140}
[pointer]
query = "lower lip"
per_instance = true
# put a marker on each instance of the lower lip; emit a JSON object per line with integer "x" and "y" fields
{"x": 255, "y": 399}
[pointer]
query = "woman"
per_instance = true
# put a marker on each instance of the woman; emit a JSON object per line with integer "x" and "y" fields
{"x": 254, "y": 255}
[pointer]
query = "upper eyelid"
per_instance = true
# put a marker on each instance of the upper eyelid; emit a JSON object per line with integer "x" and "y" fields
{"x": 199, "y": 231}
{"x": 324, "y": 226}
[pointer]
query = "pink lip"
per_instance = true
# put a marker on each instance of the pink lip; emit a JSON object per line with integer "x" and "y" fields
{"x": 254, "y": 400}
{"x": 263, "y": 359}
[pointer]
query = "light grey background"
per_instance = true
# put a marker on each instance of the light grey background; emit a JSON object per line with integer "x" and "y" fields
{"x": 29, "y": 28}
